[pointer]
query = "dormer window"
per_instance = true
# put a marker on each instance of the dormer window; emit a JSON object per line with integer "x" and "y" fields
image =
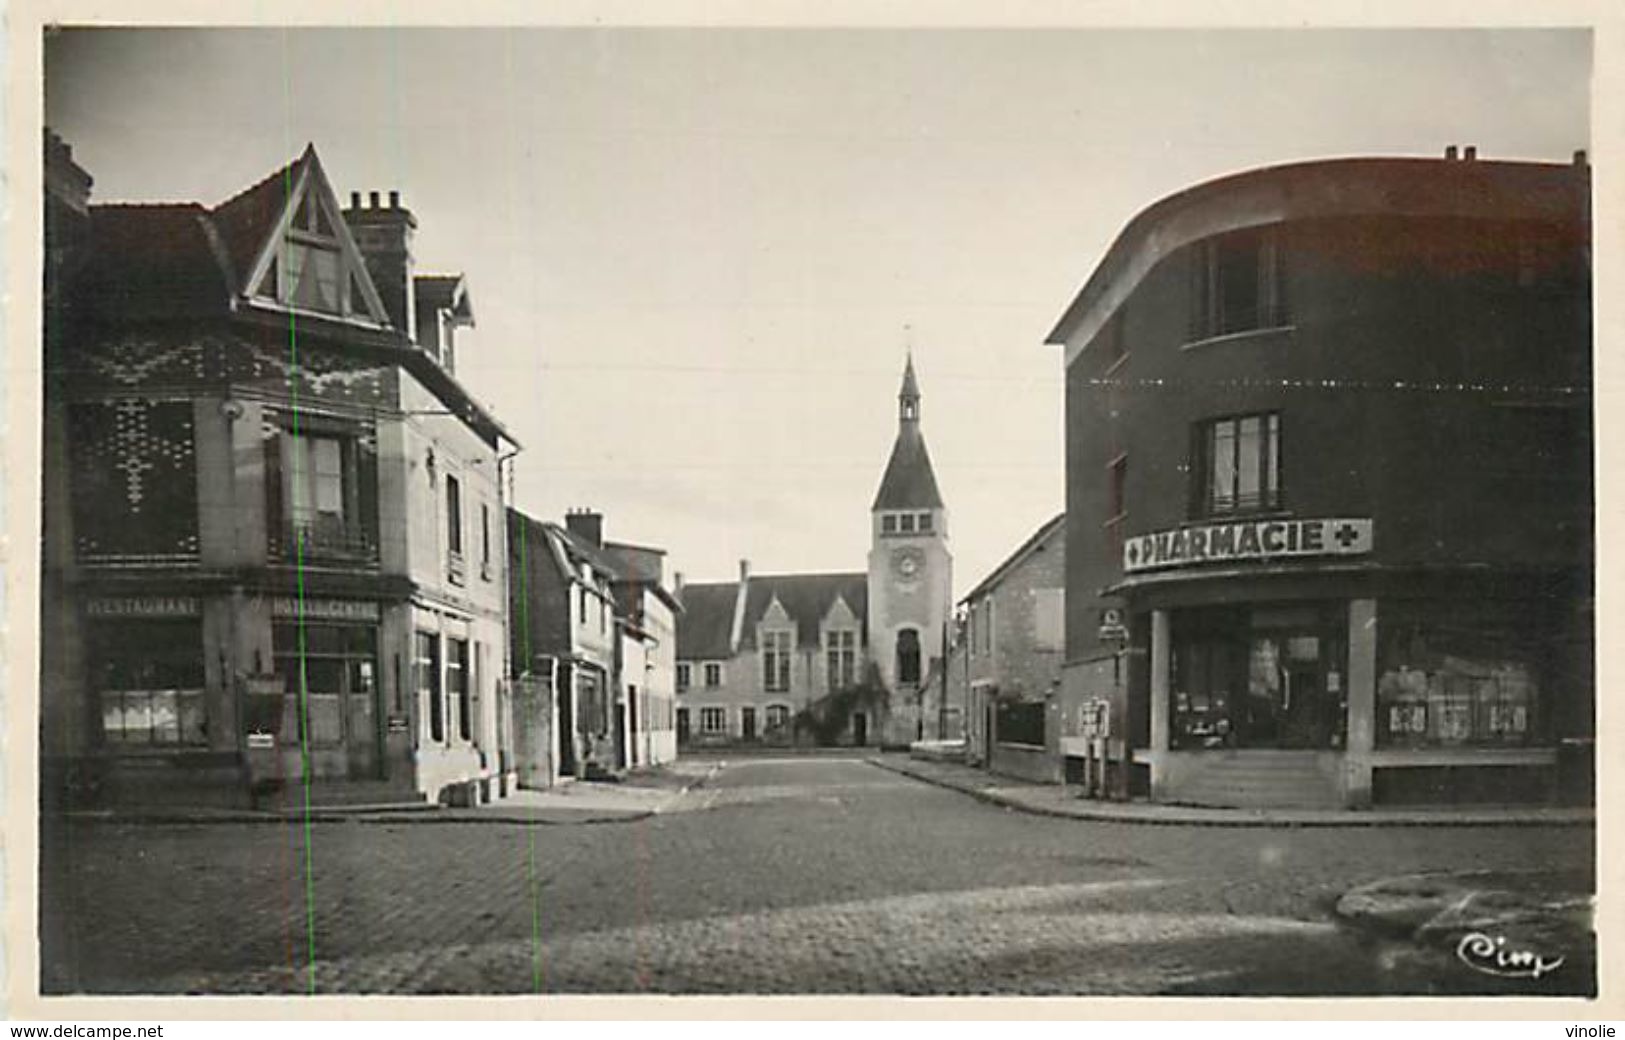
{"x": 312, "y": 265}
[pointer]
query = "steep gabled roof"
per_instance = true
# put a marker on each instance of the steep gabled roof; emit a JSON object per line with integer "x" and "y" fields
{"x": 708, "y": 613}
{"x": 909, "y": 482}
{"x": 153, "y": 261}
{"x": 1039, "y": 538}
{"x": 579, "y": 549}
{"x": 245, "y": 221}
{"x": 807, "y": 598}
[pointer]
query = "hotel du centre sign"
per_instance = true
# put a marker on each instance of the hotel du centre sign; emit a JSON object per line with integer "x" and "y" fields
{"x": 1252, "y": 540}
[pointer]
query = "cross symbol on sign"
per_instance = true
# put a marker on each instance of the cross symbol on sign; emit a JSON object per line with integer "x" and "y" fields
{"x": 1133, "y": 552}
{"x": 1346, "y": 535}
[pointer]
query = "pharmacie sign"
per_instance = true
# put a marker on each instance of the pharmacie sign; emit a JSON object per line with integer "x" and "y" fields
{"x": 1250, "y": 540}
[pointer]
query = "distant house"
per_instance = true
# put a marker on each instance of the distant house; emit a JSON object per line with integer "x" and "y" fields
{"x": 1012, "y": 655}
{"x": 849, "y": 657}
{"x": 593, "y": 635}
{"x": 647, "y": 668}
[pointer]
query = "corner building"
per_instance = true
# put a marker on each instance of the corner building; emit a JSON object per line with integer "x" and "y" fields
{"x": 1329, "y": 498}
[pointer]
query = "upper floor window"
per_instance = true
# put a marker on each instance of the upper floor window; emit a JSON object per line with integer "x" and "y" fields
{"x": 1238, "y": 464}
{"x": 841, "y": 649}
{"x": 454, "y": 514}
{"x": 682, "y": 675}
{"x": 322, "y": 487}
{"x": 581, "y": 604}
{"x": 888, "y": 524}
{"x": 905, "y": 523}
{"x": 1049, "y": 612}
{"x": 924, "y": 525}
{"x": 713, "y": 674}
{"x": 485, "y": 541}
{"x": 1237, "y": 284}
{"x": 1117, "y": 489}
{"x": 776, "y": 660}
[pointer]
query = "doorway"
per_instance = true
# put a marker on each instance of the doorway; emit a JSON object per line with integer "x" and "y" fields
{"x": 747, "y": 723}
{"x": 860, "y": 729}
{"x": 566, "y": 716}
{"x": 682, "y": 726}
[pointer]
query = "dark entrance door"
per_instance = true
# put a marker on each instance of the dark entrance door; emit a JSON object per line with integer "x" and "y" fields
{"x": 682, "y": 725}
{"x": 632, "y": 723}
{"x": 747, "y": 723}
{"x": 620, "y": 736}
{"x": 567, "y": 723}
{"x": 860, "y": 729}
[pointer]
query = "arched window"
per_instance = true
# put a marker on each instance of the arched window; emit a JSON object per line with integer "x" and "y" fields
{"x": 908, "y": 656}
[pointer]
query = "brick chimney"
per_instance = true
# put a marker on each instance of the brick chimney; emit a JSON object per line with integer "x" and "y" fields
{"x": 586, "y": 525}
{"x": 384, "y": 234}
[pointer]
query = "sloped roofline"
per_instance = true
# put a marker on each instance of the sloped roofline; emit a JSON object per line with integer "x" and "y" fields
{"x": 1025, "y": 550}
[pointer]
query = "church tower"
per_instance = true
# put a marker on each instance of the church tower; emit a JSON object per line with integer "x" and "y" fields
{"x": 910, "y": 569}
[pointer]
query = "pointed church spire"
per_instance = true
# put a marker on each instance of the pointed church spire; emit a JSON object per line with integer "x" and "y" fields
{"x": 908, "y": 398}
{"x": 908, "y": 482}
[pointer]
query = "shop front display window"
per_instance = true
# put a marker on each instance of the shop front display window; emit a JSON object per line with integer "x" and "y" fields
{"x": 1450, "y": 676}
{"x": 149, "y": 681}
{"x": 323, "y": 672}
{"x": 1259, "y": 677}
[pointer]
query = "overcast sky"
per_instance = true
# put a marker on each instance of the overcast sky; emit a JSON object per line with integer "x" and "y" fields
{"x": 693, "y": 253}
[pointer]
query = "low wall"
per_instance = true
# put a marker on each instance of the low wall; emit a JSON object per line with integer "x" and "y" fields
{"x": 1026, "y": 762}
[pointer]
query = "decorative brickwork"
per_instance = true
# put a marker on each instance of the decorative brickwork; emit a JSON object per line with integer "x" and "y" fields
{"x": 135, "y": 480}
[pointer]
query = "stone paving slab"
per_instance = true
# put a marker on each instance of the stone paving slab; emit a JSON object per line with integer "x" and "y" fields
{"x": 1061, "y": 801}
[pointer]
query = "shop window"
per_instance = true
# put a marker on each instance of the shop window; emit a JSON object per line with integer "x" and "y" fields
{"x": 149, "y": 683}
{"x": 776, "y": 660}
{"x": 908, "y": 657}
{"x": 713, "y": 674}
{"x": 1237, "y": 463}
{"x": 1019, "y": 722}
{"x": 322, "y": 667}
{"x": 682, "y": 676}
{"x": 457, "y": 686}
{"x": 1261, "y": 677}
{"x": 1457, "y": 675}
{"x": 841, "y": 658}
{"x": 427, "y": 664}
{"x": 1237, "y": 285}
{"x": 323, "y": 486}
{"x": 713, "y": 720}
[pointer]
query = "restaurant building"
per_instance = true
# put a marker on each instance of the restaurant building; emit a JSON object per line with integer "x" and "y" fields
{"x": 273, "y": 556}
{"x": 1329, "y": 496}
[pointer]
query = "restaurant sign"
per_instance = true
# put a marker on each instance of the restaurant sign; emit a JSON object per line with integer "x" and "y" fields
{"x": 142, "y": 606}
{"x": 1254, "y": 540}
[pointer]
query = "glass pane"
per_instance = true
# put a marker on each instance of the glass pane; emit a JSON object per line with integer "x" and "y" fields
{"x": 361, "y": 677}
{"x": 1222, "y": 451}
{"x": 326, "y": 726}
{"x": 166, "y": 728}
{"x": 1249, "y": 448}
{"x": 137, "y": 718}
{"x": 113, "y": 716}
{"x": 1272, "y": 460}
{"x": 190, "y": 703}
{"x": 324, "y": 675}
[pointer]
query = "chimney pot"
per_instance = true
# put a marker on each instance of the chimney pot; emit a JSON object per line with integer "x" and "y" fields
{"x": 744, "y": 570}
{"x": 1469, "y": 153}
{"x": 1580, "y": 157}
{"x": 355, "y": 200}
{"x": 372, "y": 200}
{"x": 1450, "y": 153}
{"x": 394, "y": 200}
{"x": 587, "y": 525}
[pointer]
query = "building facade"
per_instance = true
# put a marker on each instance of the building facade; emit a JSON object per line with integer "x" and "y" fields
{"x": 853, "y": 658}
{"x": 565, "y": 641}
{"x": 1329, "y": 501}
{"x": 648, "y": 673}
{"x": 272, "y": 556}
{"x": 1012, "y": 654}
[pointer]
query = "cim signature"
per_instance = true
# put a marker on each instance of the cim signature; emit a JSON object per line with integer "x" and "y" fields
{"x": 1492, "y": 956}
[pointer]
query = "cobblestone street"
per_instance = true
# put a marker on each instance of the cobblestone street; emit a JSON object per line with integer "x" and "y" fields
{"x": 787, "y": 875}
